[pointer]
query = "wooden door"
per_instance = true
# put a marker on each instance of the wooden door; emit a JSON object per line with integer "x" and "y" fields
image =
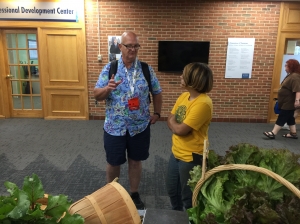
{"x": 20, "y": 74}
{"x": 288, "y": 47}
{"x": 62, "y": 53}
{"x": 3, "y": 91}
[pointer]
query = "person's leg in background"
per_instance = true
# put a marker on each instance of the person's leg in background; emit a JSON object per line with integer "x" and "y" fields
{"x": 286, "y": 127}
{"x": 292, "y": 124}
{"x": 173, "y": 184}
{"x": 281, "y": 120}
{"x": 296, "y": 113}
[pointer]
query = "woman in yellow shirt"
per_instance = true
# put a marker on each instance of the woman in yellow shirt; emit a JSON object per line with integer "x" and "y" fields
{"x": 189, "y": 122}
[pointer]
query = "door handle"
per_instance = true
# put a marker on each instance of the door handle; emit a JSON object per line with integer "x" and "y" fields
{"x": 9, "y": 76}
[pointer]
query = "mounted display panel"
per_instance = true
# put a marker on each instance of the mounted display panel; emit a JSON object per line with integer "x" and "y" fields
{"x": 174, "y": 55}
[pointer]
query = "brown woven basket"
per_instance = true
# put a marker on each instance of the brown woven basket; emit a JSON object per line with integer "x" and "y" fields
{"x": 110, "y": 204}
{"x": 206, "y": 175}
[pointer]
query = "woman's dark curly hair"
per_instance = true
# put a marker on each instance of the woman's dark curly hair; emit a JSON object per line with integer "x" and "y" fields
{"x": 293, "y": 65}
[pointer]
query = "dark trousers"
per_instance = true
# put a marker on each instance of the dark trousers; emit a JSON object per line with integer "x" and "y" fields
{"x": 179, "y": 192}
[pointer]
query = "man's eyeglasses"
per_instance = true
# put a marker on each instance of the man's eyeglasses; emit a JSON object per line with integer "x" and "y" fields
{"x": 131, "y": 47}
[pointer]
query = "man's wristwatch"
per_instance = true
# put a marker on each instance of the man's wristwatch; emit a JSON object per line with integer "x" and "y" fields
{"x": 158, "y": 114}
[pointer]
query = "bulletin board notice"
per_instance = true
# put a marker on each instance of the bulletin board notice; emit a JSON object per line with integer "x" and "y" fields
{"x": 239, "y": 58}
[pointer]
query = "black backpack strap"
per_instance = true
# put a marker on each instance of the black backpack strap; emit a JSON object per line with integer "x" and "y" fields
{"x": 113, "y": 68}
{"x": 146, "y": 73}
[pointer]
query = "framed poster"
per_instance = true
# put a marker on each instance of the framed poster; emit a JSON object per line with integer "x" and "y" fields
{"x": 114, "y": 53}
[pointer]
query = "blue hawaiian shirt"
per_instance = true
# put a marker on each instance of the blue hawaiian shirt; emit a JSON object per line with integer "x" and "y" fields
{"x": 118, "y": 117}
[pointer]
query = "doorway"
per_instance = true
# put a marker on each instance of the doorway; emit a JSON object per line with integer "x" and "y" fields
{"x": 288, "y": 48}
{"x": 21, "y": 59}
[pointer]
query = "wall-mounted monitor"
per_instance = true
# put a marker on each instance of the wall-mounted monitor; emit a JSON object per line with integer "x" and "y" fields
{"x": 174, "y": 55}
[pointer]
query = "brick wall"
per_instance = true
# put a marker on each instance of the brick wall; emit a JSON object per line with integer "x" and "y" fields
{"x": 242, "y": 100}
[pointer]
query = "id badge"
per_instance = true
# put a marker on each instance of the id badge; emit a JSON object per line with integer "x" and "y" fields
{"x": 134, "y": 103}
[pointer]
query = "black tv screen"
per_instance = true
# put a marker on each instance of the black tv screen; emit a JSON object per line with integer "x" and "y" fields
{"x": 174, "y": 55}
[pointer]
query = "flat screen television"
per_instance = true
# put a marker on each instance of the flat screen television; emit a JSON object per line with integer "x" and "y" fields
{"x": 174, "y": 55}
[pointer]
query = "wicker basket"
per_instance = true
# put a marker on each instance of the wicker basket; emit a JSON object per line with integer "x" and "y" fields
{"x": 110, "y": 204}
{"x": 206, "y": 175}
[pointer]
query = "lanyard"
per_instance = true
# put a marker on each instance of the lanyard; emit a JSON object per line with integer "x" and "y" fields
{"x": 132, "y": 81}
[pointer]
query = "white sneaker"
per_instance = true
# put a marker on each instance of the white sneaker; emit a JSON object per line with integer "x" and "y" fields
{"x": 285, "y": 126}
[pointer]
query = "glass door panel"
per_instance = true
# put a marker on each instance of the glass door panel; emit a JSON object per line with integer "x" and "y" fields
{"x": 21, "y": 42}
{"x": 291, "y": 52}
{"x": 37, "y": 102}
{"x": 22, "y": 54}
{"x": 27, "y": 102}
{"x": 10, "y": 40}
{"x": 17, "y": 103}
{"x": 14, "y": 71}
{"x": 23, "y": 58}
{"x": 12, "y": 57}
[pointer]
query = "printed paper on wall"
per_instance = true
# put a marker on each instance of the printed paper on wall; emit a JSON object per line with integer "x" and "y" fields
{"x": 239, "y": 58}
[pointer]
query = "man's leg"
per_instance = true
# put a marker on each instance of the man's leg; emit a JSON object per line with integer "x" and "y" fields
{"x": 137, "y": 151}
{"x": 134, "y": 173}
{"x": 115, "y": 148}
{"x": 112, "y": 172}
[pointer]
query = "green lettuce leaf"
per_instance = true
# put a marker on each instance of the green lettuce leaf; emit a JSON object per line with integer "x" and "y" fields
{"x": 33, "y": 187}
{"x": 241, "y": 196}
{"x": 72, "y": 219}
{"x": 213, "y": 190}
{"x": 195, "y": 174}
{"x": 285, "y": 164}
{"x": 6, "y": 206}
{"x": 22, "y": 205}
{"x": 57, "y": 205}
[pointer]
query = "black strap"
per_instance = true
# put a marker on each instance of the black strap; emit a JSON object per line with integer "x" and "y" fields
{"x": 145, "y": 68}
{"x": 113, "y": 68}
{"x": 146, "y": 73}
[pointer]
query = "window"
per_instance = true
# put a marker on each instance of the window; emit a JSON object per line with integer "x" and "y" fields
{"x": 32, "y": 53}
